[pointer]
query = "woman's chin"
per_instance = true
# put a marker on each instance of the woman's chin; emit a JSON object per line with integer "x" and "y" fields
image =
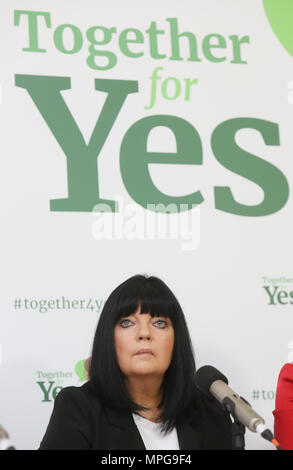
{"x": 144, "y": 369}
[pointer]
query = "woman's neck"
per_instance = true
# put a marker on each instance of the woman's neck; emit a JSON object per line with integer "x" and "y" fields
{"x": 147, "y": 393}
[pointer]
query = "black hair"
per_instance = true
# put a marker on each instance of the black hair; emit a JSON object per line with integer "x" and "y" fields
{"x": 154, "y": 297}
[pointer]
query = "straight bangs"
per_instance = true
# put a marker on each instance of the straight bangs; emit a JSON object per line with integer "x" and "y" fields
{"x": 153, "y": 299}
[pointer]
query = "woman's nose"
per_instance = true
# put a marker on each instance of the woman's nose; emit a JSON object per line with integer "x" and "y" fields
{"x": 144, "y": 336}
{"x": 144, "y": 332}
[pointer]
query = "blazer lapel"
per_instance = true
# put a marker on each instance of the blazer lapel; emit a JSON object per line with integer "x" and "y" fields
{"x": 125, "y": 434}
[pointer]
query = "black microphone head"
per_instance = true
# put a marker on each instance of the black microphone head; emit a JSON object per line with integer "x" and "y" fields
{"x": 205, "y": 376}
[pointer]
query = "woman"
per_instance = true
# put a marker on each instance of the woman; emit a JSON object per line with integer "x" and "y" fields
{"x": 141, "y": 393}
{"x": 283, "y": 413}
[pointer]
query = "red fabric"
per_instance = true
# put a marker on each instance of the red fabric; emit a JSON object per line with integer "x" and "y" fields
{"x": 283, "y": 413}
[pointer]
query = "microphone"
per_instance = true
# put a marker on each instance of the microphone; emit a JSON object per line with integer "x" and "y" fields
{"x": 5, "y": 443}
{"x": 211, "y": 381}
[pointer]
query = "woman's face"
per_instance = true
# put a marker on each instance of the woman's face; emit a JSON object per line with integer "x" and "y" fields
{"x": 142, "y": 332}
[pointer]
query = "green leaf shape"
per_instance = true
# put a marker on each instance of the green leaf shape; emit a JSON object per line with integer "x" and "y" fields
{"x": 280, "y": 16}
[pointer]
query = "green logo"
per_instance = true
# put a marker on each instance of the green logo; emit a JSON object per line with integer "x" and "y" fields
{"x": 280, "y": 16}
{"x": 51, "y": 383}
{"x": 278, "y": 291}
{"x": 81, "y": 369}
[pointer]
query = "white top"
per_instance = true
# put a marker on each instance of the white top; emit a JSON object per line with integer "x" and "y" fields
{"x": 152, "y": 436}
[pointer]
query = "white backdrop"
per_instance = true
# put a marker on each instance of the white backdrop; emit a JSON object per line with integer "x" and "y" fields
{"x": 57, "y": 266}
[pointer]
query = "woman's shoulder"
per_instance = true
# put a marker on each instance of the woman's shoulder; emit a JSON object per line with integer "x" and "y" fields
{"x": 284, "y": 391}
{"x": 286, "y": 372}
{"x": 73, "y": 419}
{"x": 83, "y": 397}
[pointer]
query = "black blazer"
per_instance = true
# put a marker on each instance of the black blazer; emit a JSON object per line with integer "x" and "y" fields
{"x": 80, "y": 422}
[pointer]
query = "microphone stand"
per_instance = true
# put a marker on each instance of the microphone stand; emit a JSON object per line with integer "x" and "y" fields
{"x": 238, "y": 429}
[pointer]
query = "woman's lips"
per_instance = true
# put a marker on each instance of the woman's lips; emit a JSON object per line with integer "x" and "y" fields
{"x": 144, "y": 351}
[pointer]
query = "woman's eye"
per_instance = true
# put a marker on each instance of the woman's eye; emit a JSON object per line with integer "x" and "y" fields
{"x": 159, "y": 323}
{"x": 162, "y": 323}
{"x": 125, "y": 323}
